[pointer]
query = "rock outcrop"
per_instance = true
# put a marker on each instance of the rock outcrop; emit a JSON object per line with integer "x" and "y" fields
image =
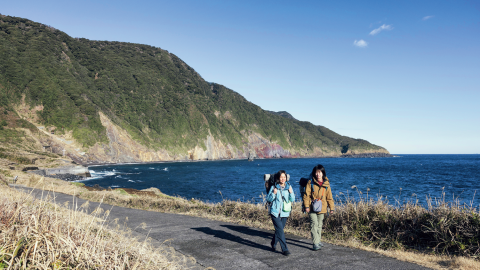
{"x": 122, "y": 148}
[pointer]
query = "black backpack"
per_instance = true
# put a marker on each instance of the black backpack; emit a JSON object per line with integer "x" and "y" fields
{"x": 303, "y": 183}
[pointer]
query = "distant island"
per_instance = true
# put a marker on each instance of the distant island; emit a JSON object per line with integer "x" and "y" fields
{"x": 110, "y": 102}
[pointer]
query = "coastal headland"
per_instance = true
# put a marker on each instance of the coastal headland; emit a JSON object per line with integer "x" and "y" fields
{"x": 80, "y": 99}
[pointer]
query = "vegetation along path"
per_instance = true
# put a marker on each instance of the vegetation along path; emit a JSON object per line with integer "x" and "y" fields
{"x": 223, "y": 245}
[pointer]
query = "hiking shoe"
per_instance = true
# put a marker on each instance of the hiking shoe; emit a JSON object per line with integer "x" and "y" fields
{"x": 320, "y": 244}
{"x": 286, "y": 253}
{"x": 316, "y": 247}
{"x": 274, "y": 249}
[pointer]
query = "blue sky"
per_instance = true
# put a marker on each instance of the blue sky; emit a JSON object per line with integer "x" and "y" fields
{"x": 401, "y": 74}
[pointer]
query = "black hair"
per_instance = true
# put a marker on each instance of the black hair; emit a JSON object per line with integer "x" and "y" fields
{"x": 319, "y": 167}
{"x": 278, "y": 174}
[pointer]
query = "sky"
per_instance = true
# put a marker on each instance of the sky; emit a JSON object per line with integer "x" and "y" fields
{"x": 404, "y": 75}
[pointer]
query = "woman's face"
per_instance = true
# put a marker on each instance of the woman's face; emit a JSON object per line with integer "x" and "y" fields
{"x": 283, "y": 179}
{"x": 319, "y": 176}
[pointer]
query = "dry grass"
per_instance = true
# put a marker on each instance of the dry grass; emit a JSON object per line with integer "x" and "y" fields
{"x": 441, "y": 236}
{"x": 441, "y": 227}
{"x": 35, "y": 234}
{"x": 421, "y": 258}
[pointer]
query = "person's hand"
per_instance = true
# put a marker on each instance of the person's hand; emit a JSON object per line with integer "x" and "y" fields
{"x": 275, "y": 191}
{"x": 331, "y": 212}
{"x": 307, "y": 209}
{"x": 290, "y": 189}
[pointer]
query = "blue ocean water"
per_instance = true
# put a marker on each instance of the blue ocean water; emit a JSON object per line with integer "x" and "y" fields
{"x": 401, "y": 178}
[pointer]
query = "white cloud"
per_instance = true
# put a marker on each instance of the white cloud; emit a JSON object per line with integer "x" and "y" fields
{"x": 360, "y": 43}
{"x": 427, "y": 17}
{"x": 381, "y": 28}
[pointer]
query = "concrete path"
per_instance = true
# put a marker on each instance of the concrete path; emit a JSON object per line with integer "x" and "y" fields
{"x": 224, "y": 245}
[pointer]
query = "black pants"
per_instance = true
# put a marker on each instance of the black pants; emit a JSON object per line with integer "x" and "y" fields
{"x": 279, "y": 236}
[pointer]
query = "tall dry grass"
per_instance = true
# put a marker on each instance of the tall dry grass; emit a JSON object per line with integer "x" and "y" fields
{"x": 440, "y": 227}
{"x": 36, "y": 234}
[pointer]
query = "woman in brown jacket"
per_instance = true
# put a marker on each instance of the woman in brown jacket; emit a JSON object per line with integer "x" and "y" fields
{"x": 321, "y": 191}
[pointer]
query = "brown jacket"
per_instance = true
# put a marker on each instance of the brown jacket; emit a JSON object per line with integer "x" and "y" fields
{"x": 317, "y": 192}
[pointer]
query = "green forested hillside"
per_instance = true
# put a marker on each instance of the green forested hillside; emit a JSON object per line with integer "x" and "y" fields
{"x": 160, "y": 100}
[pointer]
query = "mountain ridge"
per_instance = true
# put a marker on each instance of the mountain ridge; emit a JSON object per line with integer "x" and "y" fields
{"x": 80, "y": 89}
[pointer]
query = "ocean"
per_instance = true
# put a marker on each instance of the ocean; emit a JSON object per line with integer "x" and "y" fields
{"x": 399, "y": 179}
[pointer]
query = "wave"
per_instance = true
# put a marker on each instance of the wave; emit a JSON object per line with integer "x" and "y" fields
{"x": 100, "y": 174}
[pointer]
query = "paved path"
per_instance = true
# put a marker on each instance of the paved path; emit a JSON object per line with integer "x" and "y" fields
{"x": 223, "y": 245}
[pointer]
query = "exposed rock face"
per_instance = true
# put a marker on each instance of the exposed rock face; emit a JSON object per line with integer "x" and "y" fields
{"x": 215, "y": 150}
{"x": 257, "y": 147}
{"x": 122, "y": 148}
{"x": 26, "y": 112}
{"x": 263, "y": 148}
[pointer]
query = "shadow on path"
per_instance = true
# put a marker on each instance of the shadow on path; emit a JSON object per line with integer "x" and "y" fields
{"x": 258, "y": 233}
{"x": 247, "y": 231}
{"x": 231, "y": 237}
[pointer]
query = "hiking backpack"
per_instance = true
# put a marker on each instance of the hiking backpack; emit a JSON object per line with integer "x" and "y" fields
{"x": 303, "y": 184}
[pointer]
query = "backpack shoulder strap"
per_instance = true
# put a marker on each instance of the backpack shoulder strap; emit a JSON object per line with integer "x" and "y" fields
{"x": 312, "y": 190}
{"x": 323, "y": 192}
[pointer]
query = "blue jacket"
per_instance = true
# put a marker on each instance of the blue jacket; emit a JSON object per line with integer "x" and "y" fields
{"x": 276, "y": 200}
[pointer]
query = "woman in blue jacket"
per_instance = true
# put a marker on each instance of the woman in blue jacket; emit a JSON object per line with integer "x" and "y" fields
{"x": 279, "y": 193}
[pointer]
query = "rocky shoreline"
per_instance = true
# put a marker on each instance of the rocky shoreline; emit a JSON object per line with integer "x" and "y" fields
{"x": 365, "y": 155}
{"x": 63, "y": 176}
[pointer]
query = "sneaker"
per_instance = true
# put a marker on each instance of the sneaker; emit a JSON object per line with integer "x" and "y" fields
{"x": 273, "y": 247}
{"x": 316, "y": 247}
{"x": 286, "y": 253}
{"x": 320, "y": 244}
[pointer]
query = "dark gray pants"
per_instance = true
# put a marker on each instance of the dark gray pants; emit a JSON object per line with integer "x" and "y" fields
{"x": 279, "y": 236}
